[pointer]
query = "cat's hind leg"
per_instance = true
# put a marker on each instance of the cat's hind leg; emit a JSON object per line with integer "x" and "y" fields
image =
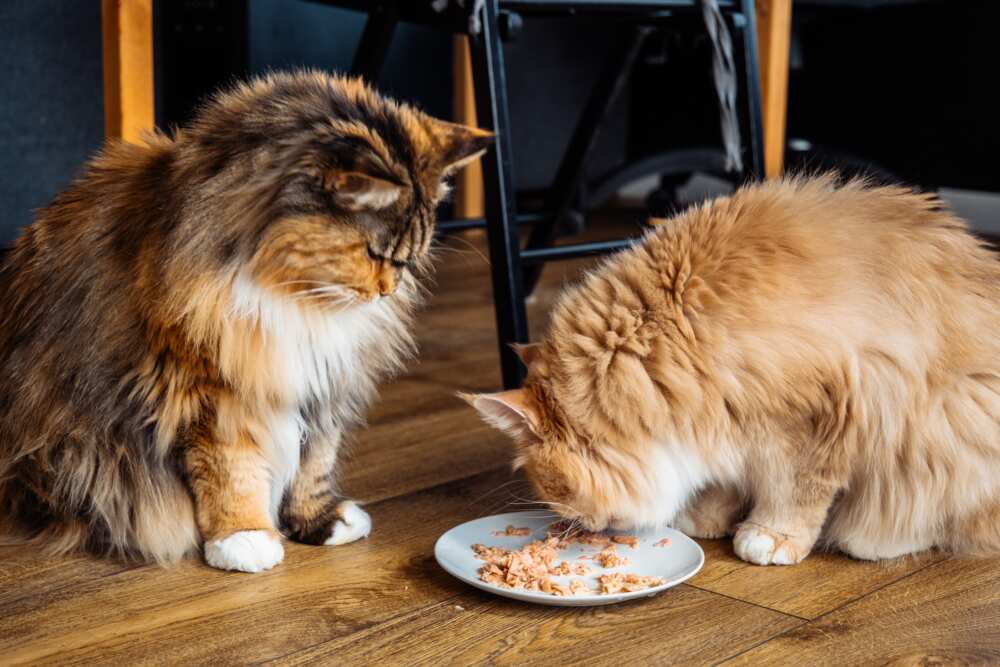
{"x": 231, "y": 484}
{"x": 979, "y": 532}
{"x": 712, "y": 513}
{"x": 787, "y": 517}
{"x": 313, "y": 512}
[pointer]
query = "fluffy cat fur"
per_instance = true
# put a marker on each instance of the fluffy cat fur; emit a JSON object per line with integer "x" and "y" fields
{"x": 803, "y": 361}
{"x": 188, "y": 332}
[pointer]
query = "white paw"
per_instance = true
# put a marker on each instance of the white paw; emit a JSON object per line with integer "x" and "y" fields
{"x": 762, "y": 547}
{"x": 354, "y": 524}
{"x": 245, "y": 550}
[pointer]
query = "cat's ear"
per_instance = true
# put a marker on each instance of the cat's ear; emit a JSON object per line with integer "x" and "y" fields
{"x": 358, "y": 191}
{"x": 515, "y": 412}
{"x": 526, "y": 352}
{"x": 458, "y": 145}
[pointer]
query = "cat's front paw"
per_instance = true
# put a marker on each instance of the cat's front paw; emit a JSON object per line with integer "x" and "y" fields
{"x": 712, "y": 513}
{"x": 353, "y": 524}
{"x": 245, "y": 551}
{"x": 330, "y": 525}
{"x": 756, "y": 544}
{"x": 700, "y": 527}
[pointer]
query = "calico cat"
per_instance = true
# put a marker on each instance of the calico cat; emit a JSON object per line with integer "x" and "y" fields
{"x": 804, "y": 361}
{"x": 189, "y": 331}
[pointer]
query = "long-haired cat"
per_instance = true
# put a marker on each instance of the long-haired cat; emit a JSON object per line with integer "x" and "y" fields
{"x": 801, "y": 361}
{"x": 189, "y": 330}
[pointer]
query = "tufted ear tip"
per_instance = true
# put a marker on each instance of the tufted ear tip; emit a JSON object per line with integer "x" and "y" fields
{"x": 514, "y": 411}
{"x": 459, "y": 144}
{"x": 526, "y": 352}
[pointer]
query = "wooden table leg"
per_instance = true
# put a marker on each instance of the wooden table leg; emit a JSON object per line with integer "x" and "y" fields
{"x": 127, "y": 26}
{"x": 774, "y": 33}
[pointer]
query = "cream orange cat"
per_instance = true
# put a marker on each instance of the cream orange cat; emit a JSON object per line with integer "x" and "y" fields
{"x": 804, "y": 362}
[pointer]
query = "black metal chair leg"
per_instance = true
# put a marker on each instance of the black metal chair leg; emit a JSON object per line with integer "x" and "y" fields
{"x": 572, "y": 168}
{"x": 374, "y": 45}
{"x": 498, "y": 187}
{"x": 754, "y": 123}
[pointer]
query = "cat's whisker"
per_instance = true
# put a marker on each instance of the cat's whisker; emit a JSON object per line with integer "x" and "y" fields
{"x": 304, "y": 282}
{"x": 436, "y": 252}
{"x": 500, "y": 487}
{"x": 327, "y": 289}
{"x": 472, "y": 247}
{"x": 510, "y": 500}
{"x": 500, "y": 504}
{"x": 331, "y": 291}
{"x": 323, "y": 300}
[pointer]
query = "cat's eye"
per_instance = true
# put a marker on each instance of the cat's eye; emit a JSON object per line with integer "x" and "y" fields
{"x": 394, "y": 263}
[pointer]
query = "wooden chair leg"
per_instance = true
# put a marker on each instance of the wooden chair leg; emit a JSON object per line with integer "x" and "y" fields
{"x": 774, "y": 31}
{"x": 127, "y": 27}
{"x": 469, "y": 181}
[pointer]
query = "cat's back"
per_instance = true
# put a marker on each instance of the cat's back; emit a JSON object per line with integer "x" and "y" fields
{"x": 801, "y": 262}
{"x": 810, "y": 242}
{"x": 71, "y": 287}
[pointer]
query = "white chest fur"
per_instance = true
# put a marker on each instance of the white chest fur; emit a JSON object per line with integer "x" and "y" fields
{"x": 670, "y": 476}
{"x": 306, "y": 348}
{"x": 294, "y": 355}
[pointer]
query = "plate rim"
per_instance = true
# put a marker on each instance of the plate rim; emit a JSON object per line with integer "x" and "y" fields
{"x": 558, "y": 600}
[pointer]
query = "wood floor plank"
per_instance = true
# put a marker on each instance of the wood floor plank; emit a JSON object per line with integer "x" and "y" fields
{"x": 946, "y": 614}
{"x": 444, "y": 446}
{"x": 682, "y": 626}
{"x": 817, "y": 585}
{"x": 318, "y": 593}
{"x": 23, "y": 573}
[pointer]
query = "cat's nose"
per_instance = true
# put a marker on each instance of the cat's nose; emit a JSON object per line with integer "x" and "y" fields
{"x": 387, "y": 281}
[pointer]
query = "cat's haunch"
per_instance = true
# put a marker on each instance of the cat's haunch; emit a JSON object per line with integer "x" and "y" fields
{"x": 804, "y": 361}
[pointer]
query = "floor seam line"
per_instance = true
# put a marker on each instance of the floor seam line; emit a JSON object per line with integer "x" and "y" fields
{"x": 752, "y": 604}
{"x": 834, "y": 610}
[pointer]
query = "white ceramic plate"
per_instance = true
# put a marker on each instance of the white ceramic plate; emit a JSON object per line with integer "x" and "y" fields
{"x": 678, "y": 561}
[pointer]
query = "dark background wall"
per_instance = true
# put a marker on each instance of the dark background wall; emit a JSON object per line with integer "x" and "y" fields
{"x": 911, "y": 87}
{"x": 51, "y": 105}
{"x": 284, "y": 33}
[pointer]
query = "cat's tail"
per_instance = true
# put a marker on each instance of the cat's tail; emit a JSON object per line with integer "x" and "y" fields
{"x": 53, "y": 538}
{"x": 155, "y": 524}
{"x": 23, "y": 521}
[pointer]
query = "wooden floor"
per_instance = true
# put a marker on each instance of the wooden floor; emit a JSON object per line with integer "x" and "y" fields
{"x": 426, "y": 464}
